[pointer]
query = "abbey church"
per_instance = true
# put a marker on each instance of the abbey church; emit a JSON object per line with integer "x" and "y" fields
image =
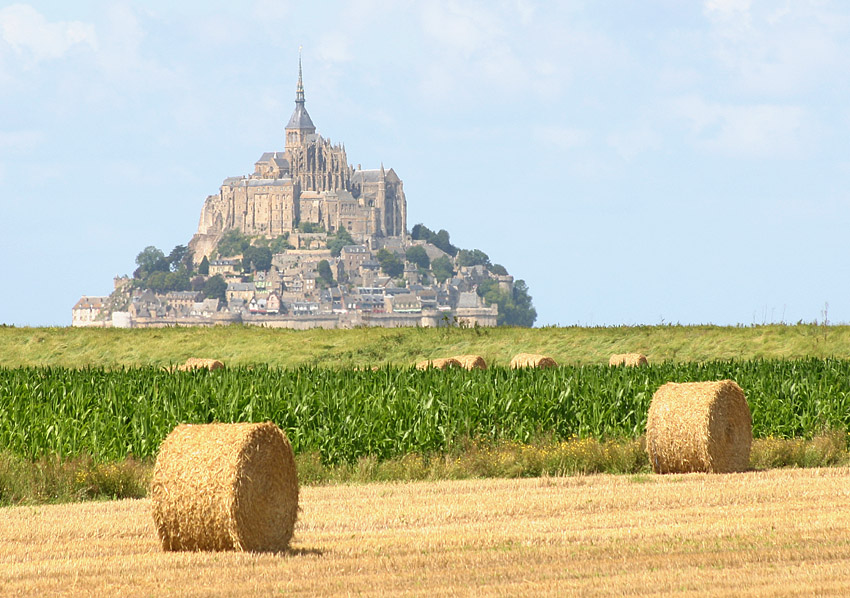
{"x": 310, "y": 181}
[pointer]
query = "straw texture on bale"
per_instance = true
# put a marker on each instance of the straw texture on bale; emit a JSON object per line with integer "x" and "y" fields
{"x": 197, "y": 363}
{"x": 699, "y": 426}
{"x": 530, "y": 360}
{"x": 225, "y": 487}
{"x": 628, "y": 359}
{"x": 471, "y": 362}
{"x": 440, "y": 364}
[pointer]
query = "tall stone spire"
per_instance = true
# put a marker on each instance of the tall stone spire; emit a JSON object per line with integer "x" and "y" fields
{"x": 300, "y": 124}
{"x": 299, "y": 91}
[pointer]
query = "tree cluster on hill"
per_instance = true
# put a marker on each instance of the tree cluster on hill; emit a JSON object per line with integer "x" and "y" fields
{"x": 515, "y": 307}
{"x": 162, "y": 273}
{"x": 215, "y": 288}
{"x": 417, "y": 255}
{"x": 256, "y": 258}
{"x": 440, "y": 239}
{"x": 325, "y": 272}
{"x": 336, "y": 242}
{"x": 391, "y": 265}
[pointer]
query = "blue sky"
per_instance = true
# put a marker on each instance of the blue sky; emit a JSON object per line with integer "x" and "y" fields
{"x": 633, "y": 162}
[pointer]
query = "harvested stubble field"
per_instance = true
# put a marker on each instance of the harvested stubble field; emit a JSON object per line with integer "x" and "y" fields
{"x": 775, "y": 533}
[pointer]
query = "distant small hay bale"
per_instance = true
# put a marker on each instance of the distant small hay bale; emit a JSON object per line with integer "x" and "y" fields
{"x": 197, "y": 363}
{"x": 699, "y": 426}
{"x": 225, "y": 487}
{"x": 439, "y": 364}
{"x": 628, "y": 359}
{"x": 531, "y": 360}
{"x": 471, "y": 362}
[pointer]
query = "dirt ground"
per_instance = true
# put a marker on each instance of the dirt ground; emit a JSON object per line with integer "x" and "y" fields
{"x": 776, "y": 533}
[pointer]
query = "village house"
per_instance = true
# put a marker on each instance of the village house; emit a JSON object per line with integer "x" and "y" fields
{"x": 403, "y": 304}
{"x": 87, "y": 311}
{"x": 224, "y": 267}
{"x": 352, "y": 256}
{"x": 240, "y": 290}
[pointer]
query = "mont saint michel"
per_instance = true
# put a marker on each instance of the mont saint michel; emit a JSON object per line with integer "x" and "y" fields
{"x": 308, "y": 240}
{"x": 310, "y": 181}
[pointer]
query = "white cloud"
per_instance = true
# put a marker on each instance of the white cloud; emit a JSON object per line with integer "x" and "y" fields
{"x": 728, "y": 9}
{"x": 631, "y": 143}
{"x": 272, "y": 9}
{"x": 20, "y": 141}
{"x": 29, "y": 33}
{"x": 778, "y": 49}
{"x": 750, "y": 131}
{"x": 563, "y": 138}
{"x": 470, "y": 50}
{"x": 124, "y": 59}
{"x": 334, "y": 48}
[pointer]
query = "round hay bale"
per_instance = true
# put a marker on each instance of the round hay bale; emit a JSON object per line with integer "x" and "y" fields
{"x": 197, "y": 363}
{"x": 699, "y": 426}
{"x": 225, "y": 487}
{"x": 531, "y": 360}
{"x": 471, "y": 362}
{"x": 628, "y": 359}
{"x": 440, "y": 364}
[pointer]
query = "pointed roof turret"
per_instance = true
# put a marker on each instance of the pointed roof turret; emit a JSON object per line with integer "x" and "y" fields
{"x": 300, "y": 119}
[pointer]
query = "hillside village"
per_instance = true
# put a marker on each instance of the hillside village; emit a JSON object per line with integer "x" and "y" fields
{"x": 309, "y": 241}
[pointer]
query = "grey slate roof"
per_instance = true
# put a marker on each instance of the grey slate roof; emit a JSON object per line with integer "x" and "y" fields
{"x": 300, "y": 119}
{"x": 468, "y": 299}
{"x": 366, "y": 176}
{"x": 279, "y": 160}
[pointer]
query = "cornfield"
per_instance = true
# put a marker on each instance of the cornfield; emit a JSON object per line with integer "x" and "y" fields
{"x": 346, "y": 414}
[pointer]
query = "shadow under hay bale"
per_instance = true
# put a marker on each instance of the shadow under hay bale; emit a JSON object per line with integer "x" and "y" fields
{"x": 628, "y": 359}
{"x": 197, "y": 363}
{"x": 439, "y": 364}
{"x": 699, "y": 426}
{"x": 225, "y": 487}
{"x": 531, "y": 360}
{"x": 471, "y": 362}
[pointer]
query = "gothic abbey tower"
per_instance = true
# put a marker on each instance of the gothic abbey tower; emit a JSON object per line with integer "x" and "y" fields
{"x": 309, "y": 181}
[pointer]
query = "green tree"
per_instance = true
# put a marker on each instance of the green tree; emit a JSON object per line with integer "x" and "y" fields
{"x": 417, "y": 255}
{"x": 324, "y": 270}
{"x": 499, "y": 269}
{"x": 150, "y": 259}
{"x": 442, "y": 268}
{"x": 204, "y": 266}
{"x": 280, "y": 243}
{"x": 309, "y": 227}
{"x": 180, "y": 257}
{"x": 339, "y": 240}
{"x": 256, "y": 258}
{"x": 420, "y": 232}
{"x": 515, "y": 308}
{"x": 443, "y": 241}
{"x": 472, "y": 257}
{"x": 215, "y": 288}
{"x": 155, "y": 281}
{"x": 390, "y": 264}
{"x": 232, "y": 243}
{"x": 177, "y": 281}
